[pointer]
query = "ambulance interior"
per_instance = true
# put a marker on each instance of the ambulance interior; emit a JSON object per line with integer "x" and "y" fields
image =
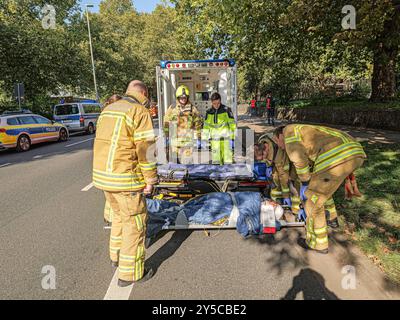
{"x": 201, "y": 83}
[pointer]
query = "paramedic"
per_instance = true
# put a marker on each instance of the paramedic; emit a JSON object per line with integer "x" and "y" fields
{"x": 219, "y": 129}
{"x": 333, "y": 156}
{"x": 181, "y": 122}
{"x": 124, "y": 168}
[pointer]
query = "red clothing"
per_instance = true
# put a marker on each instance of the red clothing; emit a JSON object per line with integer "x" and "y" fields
{"x": 253, "y": 103}
{"x": 269, "y": 103}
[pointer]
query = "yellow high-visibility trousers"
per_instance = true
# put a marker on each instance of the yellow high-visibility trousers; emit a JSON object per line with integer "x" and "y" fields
{"x": 128, "y": 233}
{"x": 221, "y": 152}
{"x": 321, "y": 188}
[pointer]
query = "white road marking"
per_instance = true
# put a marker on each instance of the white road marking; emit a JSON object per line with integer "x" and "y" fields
{"x": 88, "y": 187}
{"x": 38, "y": 157}
{"x": 4, "y": 165}
{"x": 74, "y": 144}
{"x": 115, "y": 292}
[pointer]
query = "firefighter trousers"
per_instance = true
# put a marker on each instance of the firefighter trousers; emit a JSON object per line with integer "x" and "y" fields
{"x": 128, "y": 233}
{"x": 321, "y": 188}
{"x": 221, "y": 152}
{"x": 330, "y": 207}
{"x": 108, "y": 212}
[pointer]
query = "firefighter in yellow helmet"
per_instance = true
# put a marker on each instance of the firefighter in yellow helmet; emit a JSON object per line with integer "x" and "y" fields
{"x": 182, "y": 126}
{"x": 323, "y": 158}
{"x": 124, "y": 168}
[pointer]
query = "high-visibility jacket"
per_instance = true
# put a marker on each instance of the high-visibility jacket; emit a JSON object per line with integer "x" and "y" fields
{"x": 187, "y": 122}
{"x": 122, "y": 160}
{"x": 315, "y": 149}
{"x": 219, "y": 123}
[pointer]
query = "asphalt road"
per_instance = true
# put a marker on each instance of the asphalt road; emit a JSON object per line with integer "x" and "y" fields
{"x": 47, "y": 220}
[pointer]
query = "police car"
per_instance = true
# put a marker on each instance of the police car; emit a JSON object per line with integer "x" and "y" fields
{"x": 22, "y": 129}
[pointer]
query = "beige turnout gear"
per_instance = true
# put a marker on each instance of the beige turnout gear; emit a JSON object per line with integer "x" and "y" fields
{"x": 108, "y": 212}
{"x": 182, "y": 124}
{"x": 123, "y": 164}
{"x": 324, "y": 157}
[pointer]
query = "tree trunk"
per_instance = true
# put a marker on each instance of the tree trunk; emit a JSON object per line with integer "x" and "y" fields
{"x": 385, "y": 54}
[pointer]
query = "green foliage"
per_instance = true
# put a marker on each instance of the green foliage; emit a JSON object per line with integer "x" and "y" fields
{"x": 127, "y": 45}
{"x": 373, "y": 221}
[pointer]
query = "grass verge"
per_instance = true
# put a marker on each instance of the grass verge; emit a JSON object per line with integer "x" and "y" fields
{"x": 373, "y": 221}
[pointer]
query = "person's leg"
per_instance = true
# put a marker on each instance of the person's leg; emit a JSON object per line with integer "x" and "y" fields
{"x": 216, "y": 151}
{"x": 132, "y": 254}
{"x": 331, "y": 209}
{"x": 186, "y": 155}
{"x": 227, "y": 152}
{"x": 321, "y": 188}
{"x": 108, "y": 213}
{"x": 116, "y": 228}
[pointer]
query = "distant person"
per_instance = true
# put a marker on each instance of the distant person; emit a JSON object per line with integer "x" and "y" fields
{"x": 219, "y": 128}
{"x": 270, "y": 104}
{"x": 253, "y": 107}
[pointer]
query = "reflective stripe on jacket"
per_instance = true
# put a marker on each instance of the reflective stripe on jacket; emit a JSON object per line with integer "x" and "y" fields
{"x": 122, "y": 160}
{"x": 314, "y": 149}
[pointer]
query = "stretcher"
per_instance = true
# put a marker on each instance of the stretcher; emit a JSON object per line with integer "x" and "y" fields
{"x": 181, "y": 183}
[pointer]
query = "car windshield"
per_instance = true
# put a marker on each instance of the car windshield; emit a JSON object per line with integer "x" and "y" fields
{"x": 66, "y": 109}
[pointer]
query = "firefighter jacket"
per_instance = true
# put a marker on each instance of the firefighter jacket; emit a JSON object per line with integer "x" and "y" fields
{"x": 219, "y": 124}
{"x": 186, "y": 123}
{"x": 315, "y": 149}
{"x": 124, "y": 159}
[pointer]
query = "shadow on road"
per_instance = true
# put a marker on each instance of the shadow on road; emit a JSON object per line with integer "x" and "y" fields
{"x": 168, "y": 249}
{"x": 312, "y": 285}
{"x": 282, "y": 248}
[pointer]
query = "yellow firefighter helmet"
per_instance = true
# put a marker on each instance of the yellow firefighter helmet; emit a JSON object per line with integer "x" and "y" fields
{"x": 182, "y": 91}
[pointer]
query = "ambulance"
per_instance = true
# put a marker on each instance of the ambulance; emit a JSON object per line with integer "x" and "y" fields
{"x": 202, "y": 77}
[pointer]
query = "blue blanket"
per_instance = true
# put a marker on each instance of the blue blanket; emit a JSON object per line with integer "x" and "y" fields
{"x": 217, "y": 172}
{"x": 207, "y": 209}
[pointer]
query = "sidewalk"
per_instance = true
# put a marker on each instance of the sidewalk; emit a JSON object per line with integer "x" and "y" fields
{"x": 372, "y": 135}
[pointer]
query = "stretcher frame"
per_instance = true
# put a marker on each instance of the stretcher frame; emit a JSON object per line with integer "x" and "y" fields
{"x": 182, "y": 223}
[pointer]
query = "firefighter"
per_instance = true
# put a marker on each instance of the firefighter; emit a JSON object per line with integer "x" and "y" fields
{"x": 323, "y": 158}
{"x": 124, "y": 168}
{"x": 270, "y": 104}
{"x": 281, "y": 175}
{"x": 181, "y": 122}
{"x": 108, "y": 213}
{"x": 219, "y": 129}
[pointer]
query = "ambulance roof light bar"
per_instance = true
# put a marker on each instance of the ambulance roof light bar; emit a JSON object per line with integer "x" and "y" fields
{"x": 193, "y": 64}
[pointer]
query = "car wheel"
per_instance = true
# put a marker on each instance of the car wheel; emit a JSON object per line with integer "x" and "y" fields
{"x": 63, "y": 135}
{"x": 23, "y": 143}
{"x": 90, "y": 129}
